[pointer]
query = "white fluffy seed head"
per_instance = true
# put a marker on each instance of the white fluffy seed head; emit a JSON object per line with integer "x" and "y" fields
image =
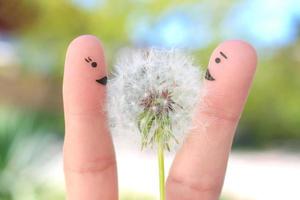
{"x": 139, "y": 71}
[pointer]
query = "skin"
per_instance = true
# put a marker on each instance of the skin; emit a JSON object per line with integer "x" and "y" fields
{"x": 200, "y": 164}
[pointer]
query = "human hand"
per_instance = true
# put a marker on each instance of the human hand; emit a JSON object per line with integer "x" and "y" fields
{"x": 200, "y": 164}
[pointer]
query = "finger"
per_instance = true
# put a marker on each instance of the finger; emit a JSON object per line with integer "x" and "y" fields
{"x": 89, "y": 159}
{"x": 199, "y": 166}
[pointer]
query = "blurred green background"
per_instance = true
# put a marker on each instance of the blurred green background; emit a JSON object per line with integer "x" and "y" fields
{"x": 34, "y": 36}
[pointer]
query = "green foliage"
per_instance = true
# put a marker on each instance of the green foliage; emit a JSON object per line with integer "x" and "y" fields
{"x": 272, "y": 114}
{"x": 58, "y": 22}
{"x": 26, "y": 144}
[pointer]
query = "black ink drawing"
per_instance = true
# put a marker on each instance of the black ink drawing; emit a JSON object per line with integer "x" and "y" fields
{"x": 218, "y": 60}
{"x": 89, "y": 60}
{"x": 222, "y": 54}
{"x": 208, "y": 76}
{"x": 103, "y": 80}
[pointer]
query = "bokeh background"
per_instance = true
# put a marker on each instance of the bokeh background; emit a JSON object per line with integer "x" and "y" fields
{"x": 265, "y": 162}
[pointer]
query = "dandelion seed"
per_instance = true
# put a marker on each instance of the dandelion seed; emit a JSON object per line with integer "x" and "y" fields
{"x": 153, "y": 94}
{"x": 153, "y": 88}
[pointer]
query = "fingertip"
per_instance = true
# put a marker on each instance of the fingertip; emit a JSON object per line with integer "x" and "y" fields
{"x": 244, "y": 50}
{"x": 84, "y": 75}
{"x": 84, "y": 40}
{"x": 229, "y": 76}
{"x": 233, "y": 61}
{"x": 82, "y": 47}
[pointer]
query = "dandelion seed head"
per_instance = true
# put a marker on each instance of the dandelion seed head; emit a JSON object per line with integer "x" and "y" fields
{"x": 164, "y": 83}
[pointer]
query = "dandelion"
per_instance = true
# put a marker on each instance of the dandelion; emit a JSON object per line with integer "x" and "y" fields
{"x": 153, "y": 93}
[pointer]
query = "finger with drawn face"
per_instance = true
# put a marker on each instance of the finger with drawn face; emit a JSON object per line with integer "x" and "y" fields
{"x": 199, "y": 166}
{"x": 89, "y": 158}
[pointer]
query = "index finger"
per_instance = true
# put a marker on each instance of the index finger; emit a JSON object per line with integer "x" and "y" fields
{"x": 199, "y": 166}
{"x": 89, "y": 159}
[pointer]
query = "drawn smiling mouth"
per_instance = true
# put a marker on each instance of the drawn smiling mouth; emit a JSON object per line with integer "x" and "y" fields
{"x": 102, "y": 80}
{"x": 208, "y": 76}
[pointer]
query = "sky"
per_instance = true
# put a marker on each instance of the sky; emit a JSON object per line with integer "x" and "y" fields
{"x": 265, "y": 23}
{"x": 268, "y": 24}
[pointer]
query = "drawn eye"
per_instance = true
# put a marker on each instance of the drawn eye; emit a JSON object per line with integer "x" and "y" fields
{"x": 217, "y": 60}
{"x": 89, "y": 60}
{"x": 94, "y": 64}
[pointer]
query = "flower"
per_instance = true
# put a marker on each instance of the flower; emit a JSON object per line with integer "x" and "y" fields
{"x": 153, "y": 93}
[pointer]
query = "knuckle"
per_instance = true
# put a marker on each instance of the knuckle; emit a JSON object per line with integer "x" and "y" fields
{"x": 189, "y": 190}
{"x": 96, "y": 166}
{"x": 217, "y": 112}
{"x": 220, "y": 115}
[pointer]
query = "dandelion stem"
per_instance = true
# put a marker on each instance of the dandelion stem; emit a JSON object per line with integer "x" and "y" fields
{"x": 161, "y": 167}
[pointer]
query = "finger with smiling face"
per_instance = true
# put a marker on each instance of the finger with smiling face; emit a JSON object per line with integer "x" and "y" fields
{"x": 199, "y": 166}
{"x": 89, "y": 158}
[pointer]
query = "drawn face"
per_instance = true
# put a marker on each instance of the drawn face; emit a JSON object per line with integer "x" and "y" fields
{"x": 218, "y": 60}
{"x": 93, "y": 64}
{"x": 229, "y": 62}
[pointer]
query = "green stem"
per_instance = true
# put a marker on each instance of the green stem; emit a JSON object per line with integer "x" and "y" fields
{"x": 161, "y": 167}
